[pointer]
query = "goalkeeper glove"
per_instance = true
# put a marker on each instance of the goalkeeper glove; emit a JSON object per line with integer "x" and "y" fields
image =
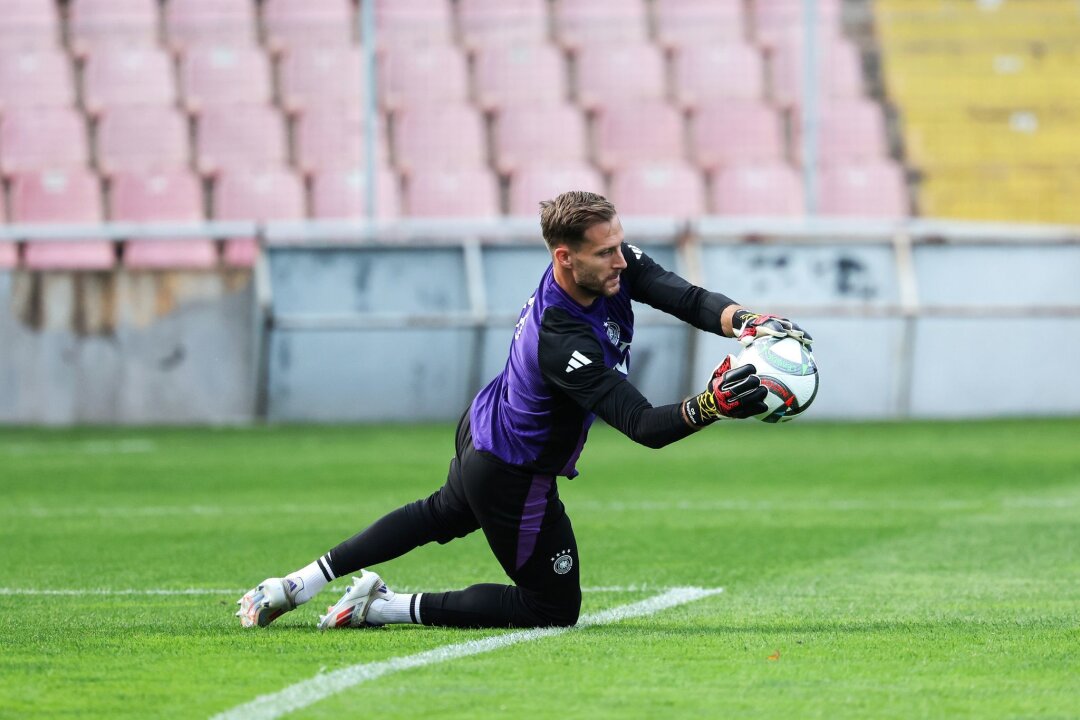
{"x": 749, "y": 326}
{"x": 730, "y": 394}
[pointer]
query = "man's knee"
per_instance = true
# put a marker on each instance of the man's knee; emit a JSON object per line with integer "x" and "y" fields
{"x": 444, "y": 518}
{"x": 560, "y": 609}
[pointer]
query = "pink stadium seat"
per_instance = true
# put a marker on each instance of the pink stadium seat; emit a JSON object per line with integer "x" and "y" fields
{"x": 126, "y": 23}
{"x": 343, "y": 194}
{"x": 402, "y": 24}
{"x": 708, "y": 73}
{"x": 530, "y": 185}
{"x": 116, "y": 76}
{"x": 638, "y": 133}
{"x": 321, "y": 75}
{"x": 29, "y": 25}
{"x": 453, "y": 193}
{"x": 34, "y": 139}
{"x": 331, "y": 137}
{"x": 779, "y": 23}
{"x": 242, "y": 137}
{"x": 737, "y": 132}
{"x": 142, "y": 138}
{"x": 223, "y": 75}
{"x": 611, "y": 22}
{"x": 35, "y": 78}
{"x": 149, "y": 197}
{"x": 519, "y": 75}
{"x": 619, "y": 73}
{"x": 423, "y": 76}
{"x": 551, "y": 134}
{"x": 9, "y": 255}
{"x": 685, "y": 23}
{"x": 260, "y": 196}
{"x": 759, "y": 189}
{"x": 490, "y": 23}
{"x": 669, "y": 189}
{"x": 303, "y": 23}
{"x": 439, "y": 137}
{"x": 875, "y": 189}
{"x": 61, "y": 196}
{"x": 209, "y": 22}
{"x": 848, "y": 130}
{"x": 840, "y": 73}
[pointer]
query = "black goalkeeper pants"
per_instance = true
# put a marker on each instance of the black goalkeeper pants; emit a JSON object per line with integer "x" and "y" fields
{"x": 526, "y": 527}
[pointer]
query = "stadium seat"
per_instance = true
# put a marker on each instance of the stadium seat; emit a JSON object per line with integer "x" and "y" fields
{"x": 34, "y": 139}
{"x": 736, "y": 132}
{"x": 669, "y": 189}
{"x": 519, "y": 75}
{"x": 619, "y": 73}
{"x": 61, "y": 196}
{"x": 423, "y": 76}
{"x": 260, "y": 196}
{"x": 302, "y": 23}
{"x": 342, "y": 193}
{"x": 123, "y": 23}
{"x": 332, "y": 137}
{"x": 608, "y": 22}
{"x": 549, "y": 134}
{"x": 244, "y": 137}
{"x": 321, "y": 75}
{"x": 452, "y": 193}
{"x": 30, "y": 25}
{"x": 638, "y": 133}
{"x": 161, "y": 196}
{"x": 530, "y": 185}
{"x": 35, "y": 78}
{"x": 403, "y": 24}
{"x": 704, "y": 74}
{"x": 142, "y": 138}
{"x": 115, "y": 76}
{"x": 209, "y": 22}
{"x": 780, "y": 23}
{"x": 491, "y": 23}
{"x": 875, "y": 189}
{"x": 840, "y": 73}
{"x": 759, "y": 189}
{"x": 439, "y": 137}
{"x": 9, "y": 251}
{"x": 690, "y": 23}
{"x": 849, "y": 130}
{"x": 223, "y": 75}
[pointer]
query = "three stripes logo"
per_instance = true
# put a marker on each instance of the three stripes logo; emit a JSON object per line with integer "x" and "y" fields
{"x": 576, "y": 361}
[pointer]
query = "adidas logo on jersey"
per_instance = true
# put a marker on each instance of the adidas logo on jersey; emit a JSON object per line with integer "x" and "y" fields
{"x": 634, "y": 249}
{"x": 576, "y": 361}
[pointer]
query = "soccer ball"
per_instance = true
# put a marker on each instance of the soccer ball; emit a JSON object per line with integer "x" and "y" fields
{"x": 787, "y": 369}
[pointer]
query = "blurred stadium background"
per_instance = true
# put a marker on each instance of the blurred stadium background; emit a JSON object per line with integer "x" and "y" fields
{"x": 227, "y": 210}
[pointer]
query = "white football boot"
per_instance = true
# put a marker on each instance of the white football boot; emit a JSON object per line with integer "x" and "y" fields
{"x": 265, "y": 603}
{"x": 352, "y": 609}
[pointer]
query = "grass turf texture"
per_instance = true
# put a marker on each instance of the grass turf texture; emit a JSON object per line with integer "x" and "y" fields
{"x": 870, "y": 570}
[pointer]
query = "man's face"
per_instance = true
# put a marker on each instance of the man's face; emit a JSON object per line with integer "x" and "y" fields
{"x": 597, "y": 264}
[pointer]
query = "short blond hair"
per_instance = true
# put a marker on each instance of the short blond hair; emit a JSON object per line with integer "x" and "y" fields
{"x": 565, "y": 219}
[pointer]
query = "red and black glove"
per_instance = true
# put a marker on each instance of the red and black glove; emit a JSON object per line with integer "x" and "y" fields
{"x": 749, "y": 326}
{"x": 730, "y": 394}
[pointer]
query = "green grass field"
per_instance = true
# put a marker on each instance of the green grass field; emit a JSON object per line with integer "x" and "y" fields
{"x": 869, "y": 570}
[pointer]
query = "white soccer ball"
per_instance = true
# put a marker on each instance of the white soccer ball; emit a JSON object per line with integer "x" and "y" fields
{"x": 787, "y": 369}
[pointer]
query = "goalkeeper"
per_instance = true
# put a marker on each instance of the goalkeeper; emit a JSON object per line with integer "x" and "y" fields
{"x": 568, "y": 362}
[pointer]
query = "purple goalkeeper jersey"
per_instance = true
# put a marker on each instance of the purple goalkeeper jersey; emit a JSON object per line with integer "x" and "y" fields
{"x": 565, "y": 358}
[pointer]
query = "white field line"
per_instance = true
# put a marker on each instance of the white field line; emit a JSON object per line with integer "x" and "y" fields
{"x": 308, "y": 692}
{"x": 129, "y": 446}
{"x": 106, "y": 592}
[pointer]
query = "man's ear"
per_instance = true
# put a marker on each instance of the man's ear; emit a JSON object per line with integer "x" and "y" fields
{"x": 562, "y": 256}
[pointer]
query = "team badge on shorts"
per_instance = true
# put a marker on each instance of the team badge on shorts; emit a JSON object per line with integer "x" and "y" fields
{"x": 562, "y": 562}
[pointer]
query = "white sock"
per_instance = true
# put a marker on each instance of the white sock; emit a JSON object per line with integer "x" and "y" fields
{"x": 309, "y": 580}
{"x": 398, "y": 608}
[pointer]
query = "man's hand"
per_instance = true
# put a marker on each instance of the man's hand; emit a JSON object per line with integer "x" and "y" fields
{"x": 730, "y": 394}
{"x": 749, "y": 326}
